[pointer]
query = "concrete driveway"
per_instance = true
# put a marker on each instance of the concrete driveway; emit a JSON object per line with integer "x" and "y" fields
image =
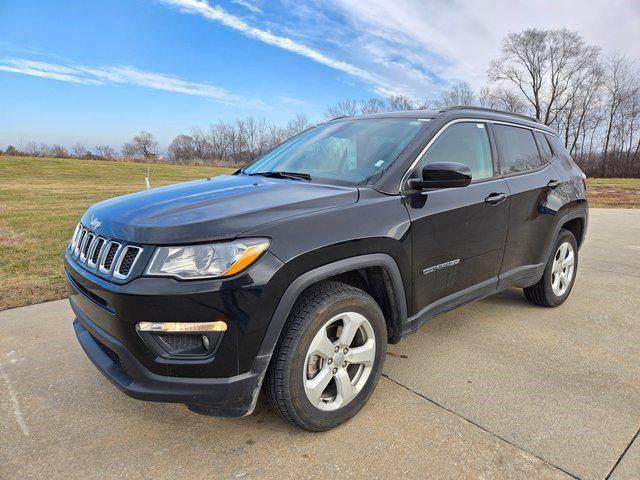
{"x": 497, "y": 389}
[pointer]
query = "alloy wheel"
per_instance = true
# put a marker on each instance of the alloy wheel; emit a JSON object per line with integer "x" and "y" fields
{"x": 339, "y": 361}
{"x": 562, "y": 269}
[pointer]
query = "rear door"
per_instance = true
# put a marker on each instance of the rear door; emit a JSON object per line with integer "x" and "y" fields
{"x": 458, "y": 234}
{"x": 530, "y": 179}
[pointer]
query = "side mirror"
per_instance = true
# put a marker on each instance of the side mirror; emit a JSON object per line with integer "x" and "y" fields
{"x": 442, "y": 175}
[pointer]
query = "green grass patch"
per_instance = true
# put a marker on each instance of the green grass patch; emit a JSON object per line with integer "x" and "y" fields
{"x": 41, "y": 201}
{"x": 622, "y": 183}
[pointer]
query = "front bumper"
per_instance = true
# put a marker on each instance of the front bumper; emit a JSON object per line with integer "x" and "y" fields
{"x": 226, "y": 397}
{"x": 224, "y": 384}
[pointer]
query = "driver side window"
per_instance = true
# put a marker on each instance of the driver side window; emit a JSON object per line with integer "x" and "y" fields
{"x": 466, "y": 143}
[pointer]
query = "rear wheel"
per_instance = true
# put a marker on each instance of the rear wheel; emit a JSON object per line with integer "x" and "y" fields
{"x": 329, "y": 358}
{"x": 559, "y": 274}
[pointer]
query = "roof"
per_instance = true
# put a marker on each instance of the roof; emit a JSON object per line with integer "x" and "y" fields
{"x": 461, "y": 112}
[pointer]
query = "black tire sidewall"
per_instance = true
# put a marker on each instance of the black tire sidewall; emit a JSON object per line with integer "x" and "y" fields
{"x": 314, "y": 418}
{"x": 550, "y": 296}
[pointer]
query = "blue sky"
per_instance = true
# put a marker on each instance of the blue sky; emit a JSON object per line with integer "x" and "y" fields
{"x": 100, "y": 71}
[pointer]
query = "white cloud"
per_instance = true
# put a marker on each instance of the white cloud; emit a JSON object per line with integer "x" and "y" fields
{"x": 217, "y": 14}
{"x": 121, "y": 75}
{"x": 465, "y": 34}
{"x": 249, "y": 6}
{"x": 412, "y": 47}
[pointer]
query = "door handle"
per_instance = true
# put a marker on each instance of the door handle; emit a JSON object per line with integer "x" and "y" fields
{"x": 554, "y": 184}
{"x": 496, "y": 198}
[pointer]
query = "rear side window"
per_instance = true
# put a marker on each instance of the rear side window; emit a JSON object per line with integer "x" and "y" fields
{"x": 466, "y": 143}
{"x": 557, "y": 146}
{"x": 560, "y": 151}
{"x": 545, "y": 150}
{"x": 518, "y": 149}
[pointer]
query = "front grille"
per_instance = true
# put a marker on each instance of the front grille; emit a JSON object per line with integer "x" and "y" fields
{"x": 86, "y": 244}
{"x": 101, "y": 254}
{"x": 79, "y": 241}
{"x": 126, "y": 261}
{"x": 97, "y": 249}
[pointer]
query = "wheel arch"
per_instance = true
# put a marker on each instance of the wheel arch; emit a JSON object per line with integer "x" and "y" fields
{"x": 575, "y": 221}
{"x": 381, "y": 275}
{"x": 577, "y": 227}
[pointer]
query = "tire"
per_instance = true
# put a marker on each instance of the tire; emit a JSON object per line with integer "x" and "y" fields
{"x": 555, "y": 285}
{"x": 322, "y": 312}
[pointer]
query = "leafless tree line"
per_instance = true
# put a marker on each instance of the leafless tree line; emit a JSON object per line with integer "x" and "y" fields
{"x": 234, "y": 143}
{"x": 78, "y": 150}
{"x": 554, "y": 76}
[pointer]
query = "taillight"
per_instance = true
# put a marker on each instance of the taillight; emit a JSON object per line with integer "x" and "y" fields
{"x": 584, "y": 182}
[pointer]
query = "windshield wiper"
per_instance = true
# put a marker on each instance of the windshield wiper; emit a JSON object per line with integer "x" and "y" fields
{"x": 280, "y": 174}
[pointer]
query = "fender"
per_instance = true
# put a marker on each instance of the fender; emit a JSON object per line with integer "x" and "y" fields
{"x": 326, "y": 271}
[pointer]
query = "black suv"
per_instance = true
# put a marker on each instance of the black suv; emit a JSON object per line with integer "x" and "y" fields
{"x": 295, "y": 272}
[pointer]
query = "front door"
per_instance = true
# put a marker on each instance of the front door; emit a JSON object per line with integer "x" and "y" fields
{"x": 458, "y": 234}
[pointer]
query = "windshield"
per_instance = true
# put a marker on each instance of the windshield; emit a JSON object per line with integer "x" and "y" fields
{"x": 344, "y": 152}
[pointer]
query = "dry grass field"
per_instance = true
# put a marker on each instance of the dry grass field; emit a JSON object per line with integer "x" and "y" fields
{"x": 614, "y": 192}
{"x": 41, "y": 200}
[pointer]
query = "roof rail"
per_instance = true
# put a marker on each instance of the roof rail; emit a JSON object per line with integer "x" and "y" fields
{"x": 485, "y": 109}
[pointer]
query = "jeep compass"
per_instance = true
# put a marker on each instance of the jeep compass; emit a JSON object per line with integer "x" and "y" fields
{"x": 293, "y": 274}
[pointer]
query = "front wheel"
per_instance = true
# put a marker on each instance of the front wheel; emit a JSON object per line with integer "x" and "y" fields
{"x": 329, "y": 358}
{"x": 559, "y": 274}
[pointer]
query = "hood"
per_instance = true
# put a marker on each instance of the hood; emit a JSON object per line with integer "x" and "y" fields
{"x": 210, "y": 209}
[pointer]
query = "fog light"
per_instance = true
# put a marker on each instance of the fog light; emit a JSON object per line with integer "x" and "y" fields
{"x": 205, "y": 342}
{"x": 182, "y": 327}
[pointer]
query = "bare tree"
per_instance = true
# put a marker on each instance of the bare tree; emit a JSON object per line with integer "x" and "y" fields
{"x": 182, "y": 148}
{"x": 543, "y": 65}
{"x": 219, "y": 135}
{"x": 399, "y": 103}
{"x": 459, "y": 93}
{"x": 200, "y": 144}
{"x": 373, "y": 105}
{"x": 502, "y": 99}
{"x": 143, "y": 145}
{"x": 79, "y": 150}
{"x": 32, "y": 149}
{"x": 349, "y": 108}
{"x": 346, "y": 108}
{"x": 105, "y": 151}
{"x": 617, "y": 90}
{"x": 58, "y": 151}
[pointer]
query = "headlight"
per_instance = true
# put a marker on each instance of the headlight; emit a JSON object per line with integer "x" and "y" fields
{"x": 207, "y": 260}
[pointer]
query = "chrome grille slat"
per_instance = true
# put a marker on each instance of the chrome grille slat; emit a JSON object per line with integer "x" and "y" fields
{"x": 106, "y": 256}
{"x": 107, "y": 259}
{"x": 95, "y": 251}
{"x": 122, "y": 270}
{"x": 81, "y": 236}
{"x": 86, "y": 246}
{"x": 74, "y": 239}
